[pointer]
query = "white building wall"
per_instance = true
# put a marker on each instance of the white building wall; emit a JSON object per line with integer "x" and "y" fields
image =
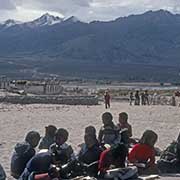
{"x": 39, "y": 89}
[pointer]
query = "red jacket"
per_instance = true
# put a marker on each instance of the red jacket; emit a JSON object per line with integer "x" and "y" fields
{"x": 106, "y": 160}
{"x": 107, "y": 97}
{"x": 142, "y": 153}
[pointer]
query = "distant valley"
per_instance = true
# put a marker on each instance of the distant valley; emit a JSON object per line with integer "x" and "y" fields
{"x": 143, "y": 47}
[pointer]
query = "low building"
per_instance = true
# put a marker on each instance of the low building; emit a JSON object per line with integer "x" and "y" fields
{"x": 38, "y": 87}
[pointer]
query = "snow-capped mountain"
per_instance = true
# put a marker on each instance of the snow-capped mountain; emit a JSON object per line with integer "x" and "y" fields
{"x": 45, "y": 20}
{"x": 10, "y": 22}
{"x": 143, "y": 47}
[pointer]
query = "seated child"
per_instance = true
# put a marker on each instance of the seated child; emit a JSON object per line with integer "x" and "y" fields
{"x": 23, "y": 152}
{"x": 144, "y": 152}
{"x": 60, "y": 148}
{"x": 40, "y": 163}
{"x": 90, "y": 152}
{"x": 170, "y": 158}
{"x": 48, "y": 139}
{"x": 108, "y": 133}
{"x": 114, "y": 157}
{"x": 123, "y": 123}
{"x": 125, "y": 129}
{"x": 59, "y": 153}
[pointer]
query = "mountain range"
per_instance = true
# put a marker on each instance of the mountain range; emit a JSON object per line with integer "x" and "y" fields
{"x": 144, "y": 47}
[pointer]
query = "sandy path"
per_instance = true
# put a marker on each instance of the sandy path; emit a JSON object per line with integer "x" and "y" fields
{"x": 17, "y": 120}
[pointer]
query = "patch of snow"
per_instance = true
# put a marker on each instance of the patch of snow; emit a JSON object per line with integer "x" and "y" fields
{"x": 45, "y": 20}
{"x": 10, "y": 22}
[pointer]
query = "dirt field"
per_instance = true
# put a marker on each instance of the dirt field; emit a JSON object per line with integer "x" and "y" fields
{"x": 17, "y": 120}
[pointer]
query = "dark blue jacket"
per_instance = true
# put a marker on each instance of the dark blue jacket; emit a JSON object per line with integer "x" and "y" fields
{"x": 46, "y": 142}
{"x": 40, "y": 163}
{"x": 2, "y": 173}
{"x": 23, "y": 152}
{"x": 89, "y": 155}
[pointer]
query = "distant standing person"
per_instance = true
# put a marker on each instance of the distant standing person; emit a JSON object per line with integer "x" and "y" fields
{"x": 107, "y": 99}
{"x": 131, "y": 98}
{"x": 143, "y": 99}
{"x": 154, "y": 99}
{"x": 137, "y": 98}
{"x": 146, "y": 97}
{"x": 173, "y": 101}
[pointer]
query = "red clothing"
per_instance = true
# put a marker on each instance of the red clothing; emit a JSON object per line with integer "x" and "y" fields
{"x": 142, "y": 153}
{"x": 107, "y": 97}
{"x": 44, "y": 176}
{"x": 106, "y": 160}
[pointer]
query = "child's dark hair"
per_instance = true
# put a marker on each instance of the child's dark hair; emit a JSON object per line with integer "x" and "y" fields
{"x": 90, "y": 130}
{"x": 107, "y": 118}
{"x": 119, "y": 151}
{"x": 124, "y": 116}
{"x": 32, "y": 134}
{"x": 50, "y": 130}
{"x": 32, "y": 137}
{"x": 149, "y": 137}
{"x": 61, "y": 132}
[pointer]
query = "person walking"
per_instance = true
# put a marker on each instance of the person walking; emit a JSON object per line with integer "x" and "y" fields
{"x": 107, "y": 99}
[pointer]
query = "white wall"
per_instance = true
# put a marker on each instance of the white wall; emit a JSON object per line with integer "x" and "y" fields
{"x": 35, "y": 89}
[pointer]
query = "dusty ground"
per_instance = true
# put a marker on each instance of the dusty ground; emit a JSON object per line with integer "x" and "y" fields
{"x": 17, "y": 120}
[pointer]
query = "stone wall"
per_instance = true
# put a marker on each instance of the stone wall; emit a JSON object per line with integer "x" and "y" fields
{"x": 44, "y": 99}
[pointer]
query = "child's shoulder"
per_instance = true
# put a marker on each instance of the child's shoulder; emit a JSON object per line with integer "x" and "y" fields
{"x": 128, "y": 124}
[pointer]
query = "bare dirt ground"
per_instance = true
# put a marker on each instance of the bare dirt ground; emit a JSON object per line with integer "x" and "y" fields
{"x": 17, "y": 120}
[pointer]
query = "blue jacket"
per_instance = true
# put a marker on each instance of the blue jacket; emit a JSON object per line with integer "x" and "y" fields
{"x": 2, "y": 173}
{"x": 46, "y": 142}
{"x": 40, "y": 163}
{"x": 23, "y": 152}
{"x": 89, "y": 155}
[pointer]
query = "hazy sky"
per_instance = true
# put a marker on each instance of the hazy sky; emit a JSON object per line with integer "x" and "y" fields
{"x": 85, "y": 10}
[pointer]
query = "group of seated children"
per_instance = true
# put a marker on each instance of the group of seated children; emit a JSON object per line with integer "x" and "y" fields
{"x": 109, "y": 151}
{"x": 114, "y": 134}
